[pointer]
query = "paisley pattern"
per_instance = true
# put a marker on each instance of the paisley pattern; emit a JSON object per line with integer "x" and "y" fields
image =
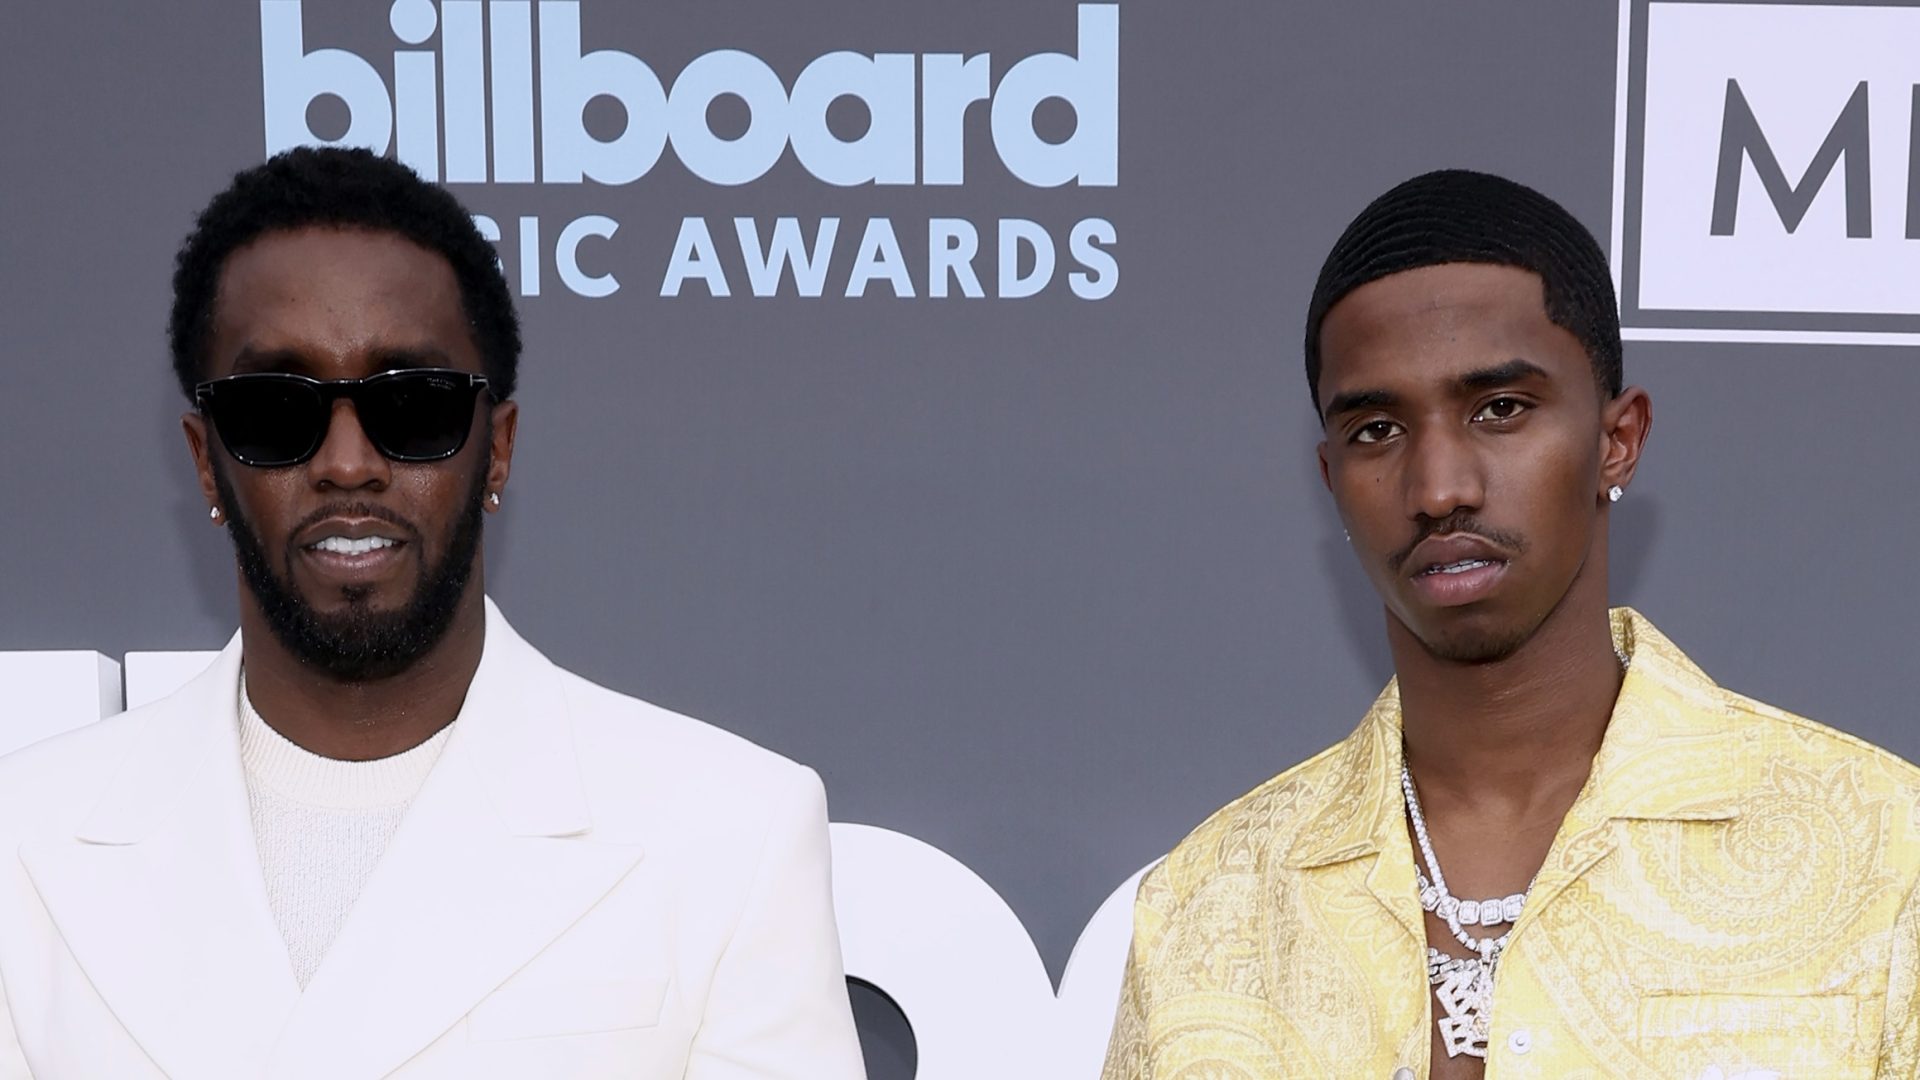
{"x": 1733, "y": 893}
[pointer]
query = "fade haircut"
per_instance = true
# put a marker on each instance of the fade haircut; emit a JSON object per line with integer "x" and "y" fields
{"x": 334, "y": 187}
{"x": 1459, "y": 216}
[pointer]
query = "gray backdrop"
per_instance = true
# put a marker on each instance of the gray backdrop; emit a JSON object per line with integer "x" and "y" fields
{"x": 1041, "y": 582}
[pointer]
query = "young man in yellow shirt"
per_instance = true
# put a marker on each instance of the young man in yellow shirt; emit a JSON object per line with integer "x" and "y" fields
{"x": 1554, "y": 847}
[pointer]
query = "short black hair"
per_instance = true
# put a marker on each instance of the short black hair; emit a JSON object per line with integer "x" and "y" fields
{"x": 1460, "y": 216}
{"x": 341, "y": 188}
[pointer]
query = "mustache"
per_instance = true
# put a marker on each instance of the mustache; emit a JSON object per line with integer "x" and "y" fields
{"x": 1450, "y": 525}
{"x": 360, "y": 510}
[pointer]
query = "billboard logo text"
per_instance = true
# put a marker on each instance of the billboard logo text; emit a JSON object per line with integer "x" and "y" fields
{"x": 477, "y": 84}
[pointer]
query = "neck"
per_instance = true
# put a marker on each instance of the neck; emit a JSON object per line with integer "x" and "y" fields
{"x": 1517, "y": 734}
{"x": 363, "y": 721}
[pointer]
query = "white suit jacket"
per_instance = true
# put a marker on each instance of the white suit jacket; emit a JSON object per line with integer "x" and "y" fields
{"x": 586, "y": 886}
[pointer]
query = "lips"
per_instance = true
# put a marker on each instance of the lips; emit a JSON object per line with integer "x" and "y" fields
{"x": 351, "y": 530}
{"x": 354, "y": 550}
{"x": 1448, "y": 571}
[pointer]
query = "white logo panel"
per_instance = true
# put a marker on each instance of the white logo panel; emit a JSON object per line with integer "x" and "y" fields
{"x": 1766, "y": 187}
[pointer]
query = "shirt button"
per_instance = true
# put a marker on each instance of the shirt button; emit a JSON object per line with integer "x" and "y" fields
{"x": 1520, "y": 1041}
{"x": 1403, "y": 1073}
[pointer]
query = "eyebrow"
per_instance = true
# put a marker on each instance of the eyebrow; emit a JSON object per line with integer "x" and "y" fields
{"x": 1355, "y": 400}
{"x": 1487, "y": 378}
{"x": 1506, "y": 374}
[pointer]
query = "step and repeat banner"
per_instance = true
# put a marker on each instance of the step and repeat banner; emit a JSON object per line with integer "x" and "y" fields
{"x": 915, "y": 387}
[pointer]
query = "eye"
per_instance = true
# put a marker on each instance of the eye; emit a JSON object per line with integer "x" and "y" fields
{"x": 1502, "y": 408}
{"x": 1375, "y": 431}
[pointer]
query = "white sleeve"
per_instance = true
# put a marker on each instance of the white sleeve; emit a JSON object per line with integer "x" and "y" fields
{"x": 778, "y": 1007}
{"x": 13, "y": 1060}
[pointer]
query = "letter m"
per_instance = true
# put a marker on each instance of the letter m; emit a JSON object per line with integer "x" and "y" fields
{"x": 1741, "y": 137}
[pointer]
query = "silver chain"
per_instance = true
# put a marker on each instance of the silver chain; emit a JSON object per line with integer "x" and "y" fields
{"x": 1463, "y": 986}
{"x": 1436, "y": 898}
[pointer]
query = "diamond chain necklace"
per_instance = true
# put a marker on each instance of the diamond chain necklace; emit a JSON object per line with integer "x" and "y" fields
{"x": 1463, "y": 985}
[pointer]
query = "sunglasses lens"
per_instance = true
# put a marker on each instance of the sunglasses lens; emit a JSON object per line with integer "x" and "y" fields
{"x": 267, "y": 421}
{"x": 417, "y": 415}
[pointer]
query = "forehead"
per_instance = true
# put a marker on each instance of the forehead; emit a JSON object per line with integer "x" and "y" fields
{"x": 334, "y": 301}
{"x": 1430, "y": 325}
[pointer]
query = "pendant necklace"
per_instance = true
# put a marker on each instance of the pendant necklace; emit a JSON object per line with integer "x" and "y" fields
{"x": 1462, "y": 985}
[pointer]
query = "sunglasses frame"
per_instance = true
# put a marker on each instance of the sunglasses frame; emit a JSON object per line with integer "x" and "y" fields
{"x": 330, "y": 391}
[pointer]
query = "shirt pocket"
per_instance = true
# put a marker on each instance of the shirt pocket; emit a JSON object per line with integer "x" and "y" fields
{"x": 544, "y": 1010}
{"x": 1809, "y": 1037}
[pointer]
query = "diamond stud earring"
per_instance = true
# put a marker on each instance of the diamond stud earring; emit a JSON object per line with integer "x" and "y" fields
{"x": 493, "y": 499}
{"x": 214, "y": 514}
{"x": 1614, "y": 493}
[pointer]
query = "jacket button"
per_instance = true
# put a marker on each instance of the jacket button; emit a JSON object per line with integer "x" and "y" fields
{"x": 1520, "y": 1041}
{"x": 1403, "y": 1073}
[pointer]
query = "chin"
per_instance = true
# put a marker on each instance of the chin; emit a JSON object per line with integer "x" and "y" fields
{"x": 361, "y": 601}
{"x": 366, "y": 596}
{"x": 1473, "y": 641}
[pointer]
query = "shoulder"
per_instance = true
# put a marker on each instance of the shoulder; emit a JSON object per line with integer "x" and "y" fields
{"x": 608, "y": 721}
{"x": 1781, "y": 771}
{"x": 1264, "y": 824}
{"x": 52, "y": 783}
{"x": 676, "y": 769}
{"x": 638, "y": 746}
{"x": 639, "y": 759}
{"x": 1793, "y": 755}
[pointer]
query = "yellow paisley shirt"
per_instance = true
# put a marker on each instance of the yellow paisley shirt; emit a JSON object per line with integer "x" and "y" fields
{"x": 1731, "y": 897}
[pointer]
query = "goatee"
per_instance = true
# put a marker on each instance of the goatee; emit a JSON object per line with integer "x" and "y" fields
{"x": 360, "y": 643}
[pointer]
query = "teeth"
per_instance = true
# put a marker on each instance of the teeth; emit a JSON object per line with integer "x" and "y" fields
{"x": 1461, "y": 567}
{"x": 340, "y": 545}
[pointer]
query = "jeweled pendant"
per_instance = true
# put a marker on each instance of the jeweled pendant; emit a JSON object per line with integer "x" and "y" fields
{"x": 1464, "y": 1036}
{"x": 1465, "y": 994}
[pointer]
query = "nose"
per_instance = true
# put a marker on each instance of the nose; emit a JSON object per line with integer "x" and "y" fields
{"x": 1444, "y": 476}
{"x": 346, "y": 459}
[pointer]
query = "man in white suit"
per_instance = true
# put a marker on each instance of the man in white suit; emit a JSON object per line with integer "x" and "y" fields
{"x": 382, "y": 836}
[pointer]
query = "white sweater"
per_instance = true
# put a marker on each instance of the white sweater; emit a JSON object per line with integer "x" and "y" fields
{"x": 321, "y": 826}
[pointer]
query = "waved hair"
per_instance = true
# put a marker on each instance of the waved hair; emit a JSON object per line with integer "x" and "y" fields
{"x": 1459, "y": 216}
{"x": 340, "y": 188}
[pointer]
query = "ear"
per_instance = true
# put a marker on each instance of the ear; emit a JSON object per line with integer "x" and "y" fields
{"x": 199, "y": 446}
{"x": 1624, "y": 424}
{"x": 506, "y": 420}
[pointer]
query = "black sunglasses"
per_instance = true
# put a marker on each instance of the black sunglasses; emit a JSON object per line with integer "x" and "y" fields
{"x": 274, "y": 419}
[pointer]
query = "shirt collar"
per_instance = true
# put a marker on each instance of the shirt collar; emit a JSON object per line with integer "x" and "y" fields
{"x": 1671, "y": 753}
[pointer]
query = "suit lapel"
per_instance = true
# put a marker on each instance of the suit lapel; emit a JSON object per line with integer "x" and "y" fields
{"x": 494, "y": 860}
{"x": 160, "y": 896}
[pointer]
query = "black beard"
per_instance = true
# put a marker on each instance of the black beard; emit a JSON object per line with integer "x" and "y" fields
{"x": 360, "y": 644}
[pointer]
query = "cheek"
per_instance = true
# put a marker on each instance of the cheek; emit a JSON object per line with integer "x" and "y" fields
{"x": 1362, "y": 492}
{"x": 1371, "y": 513}
{"x": 268, "y": 498}
{"x": 432, "y": 499}
{"x": 1553, "y": 488}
